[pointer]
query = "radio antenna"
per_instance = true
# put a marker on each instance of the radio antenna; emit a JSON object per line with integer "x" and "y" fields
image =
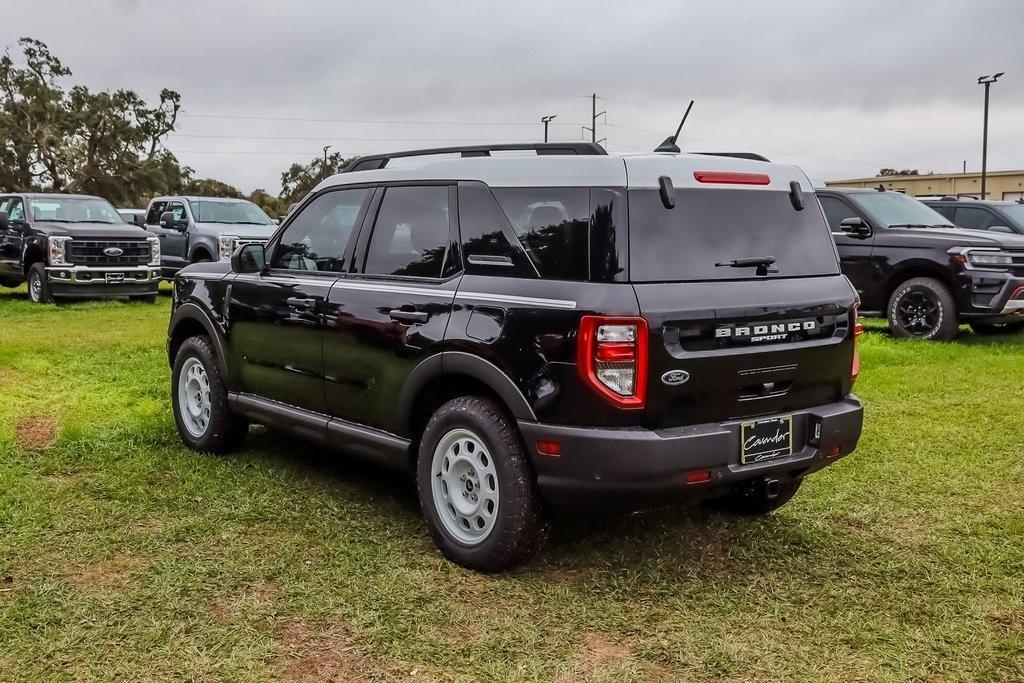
{"x": 670, "y": 142}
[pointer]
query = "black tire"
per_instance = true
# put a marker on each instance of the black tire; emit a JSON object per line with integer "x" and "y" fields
{"x": 923, "y": 308}
{"x": 753, "y": 500}
{"x": 518, "y": 527}
{"x": 224, "y": 431}
{"x": 39, "y": 284}
{"x": 147, "y": 299}
{"x": 997, "y": 328}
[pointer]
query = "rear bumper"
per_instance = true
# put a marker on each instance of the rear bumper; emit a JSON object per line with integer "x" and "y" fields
{"x": 599, "y": 466}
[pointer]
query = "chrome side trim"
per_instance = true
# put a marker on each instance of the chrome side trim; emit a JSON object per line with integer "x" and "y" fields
{"x": 510, "y": 299}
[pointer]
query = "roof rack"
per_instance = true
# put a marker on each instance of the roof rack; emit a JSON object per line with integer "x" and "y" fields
{"x": 375, "y": 161}
{"x": 739, "y": 155}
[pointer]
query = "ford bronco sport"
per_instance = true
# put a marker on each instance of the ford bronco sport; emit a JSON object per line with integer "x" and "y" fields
{"x": 564, "y": 329}
{"x": 925, "y": 275}
{"x": 68, "y": 245}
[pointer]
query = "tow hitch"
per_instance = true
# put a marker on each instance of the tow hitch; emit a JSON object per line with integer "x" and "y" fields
{"x": 772, "y": 488}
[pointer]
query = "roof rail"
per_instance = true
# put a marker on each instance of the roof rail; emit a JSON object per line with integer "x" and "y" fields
{"x": 739, "y": 155}
{"x": 372, "y": 162}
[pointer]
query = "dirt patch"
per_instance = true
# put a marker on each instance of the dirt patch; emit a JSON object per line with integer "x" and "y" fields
{"x": 327, "y": 654}
{"x": 594, "y": 656}
{"x": 112, "y": 574}
{"x": 35, "y": 433}
{"x": 1010, "y": 623}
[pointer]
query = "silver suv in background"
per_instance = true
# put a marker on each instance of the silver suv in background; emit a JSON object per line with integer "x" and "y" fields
{"x": 198, "y": 229}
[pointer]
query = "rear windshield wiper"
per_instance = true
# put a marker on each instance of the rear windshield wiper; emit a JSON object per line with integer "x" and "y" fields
{"x": 760, "y": 262}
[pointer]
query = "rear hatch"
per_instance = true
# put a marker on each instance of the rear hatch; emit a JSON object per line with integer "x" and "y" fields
{"x": 740, "y": 341}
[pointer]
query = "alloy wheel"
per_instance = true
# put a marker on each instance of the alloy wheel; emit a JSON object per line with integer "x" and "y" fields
{"x": 918, "y": 312}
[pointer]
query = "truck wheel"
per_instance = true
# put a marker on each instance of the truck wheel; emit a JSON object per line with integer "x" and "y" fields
{"x": 753, "y": 499}
{"x": 477, "y": 488}
{"x": 39, "y": 284}
{"x": 200, "y": 400}
{"x": 923, "y": 308}
{"x": 996, "y": 328}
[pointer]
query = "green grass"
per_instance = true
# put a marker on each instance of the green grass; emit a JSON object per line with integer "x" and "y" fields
{"x": 125, "y": 556}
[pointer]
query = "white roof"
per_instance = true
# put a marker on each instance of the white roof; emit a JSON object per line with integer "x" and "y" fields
{"x": 633, "y": 171}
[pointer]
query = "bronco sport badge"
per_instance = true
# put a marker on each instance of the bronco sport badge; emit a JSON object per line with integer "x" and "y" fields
{"x": 766, "y": 332}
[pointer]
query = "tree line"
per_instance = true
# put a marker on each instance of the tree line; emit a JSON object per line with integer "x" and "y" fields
{"x": 55, "y": 138}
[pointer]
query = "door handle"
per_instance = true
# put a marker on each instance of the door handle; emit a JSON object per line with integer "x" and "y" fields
{"x": 300, "y": 302}
{"x": 402, "y": 316}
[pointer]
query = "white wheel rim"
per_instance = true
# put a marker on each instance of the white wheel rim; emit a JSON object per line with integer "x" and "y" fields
{"x": 194, "y": 397}
{"x": 464, "y": 486}
{"x": 35, "y": 287}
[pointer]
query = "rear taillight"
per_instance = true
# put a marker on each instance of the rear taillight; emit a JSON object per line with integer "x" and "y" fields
{"x": 858, "y": 330}
{"x": 612, "y": 358}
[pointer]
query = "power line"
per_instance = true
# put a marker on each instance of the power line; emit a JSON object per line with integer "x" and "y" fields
{"x": 335, "y": 138}
{"x": 388, "y": 121}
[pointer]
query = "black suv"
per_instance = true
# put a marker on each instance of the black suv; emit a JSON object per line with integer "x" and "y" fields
{"x": 535, "y": 332}
{"x": 67, "y": 245}
{"x": 925, "y": 274}
{"x": 976, "y": 214}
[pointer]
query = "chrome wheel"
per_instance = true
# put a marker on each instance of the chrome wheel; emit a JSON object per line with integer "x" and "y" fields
{"x": 194, "y": 397}
{"x": 35, "y": 287}
{"x": 464, "y": 484}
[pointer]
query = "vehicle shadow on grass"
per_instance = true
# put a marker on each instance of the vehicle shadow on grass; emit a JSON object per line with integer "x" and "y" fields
{"x": 672, "y": 539}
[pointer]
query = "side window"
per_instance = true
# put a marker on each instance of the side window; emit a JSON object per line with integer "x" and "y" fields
{"x": 317, "y": 237}
{"x": 553, "y": 225}
{"x": 482, "y": 228}
{"x": 177, "y": 209}
{"x": 411, "y": 233}
{"x": 3, "y": 203}
{"x": 836, "y": 211}
{"x": 974, "y": 218}
{"x": 944, "y": 210}
{"x": 16, "y": 211}
{"x": 153, "y": 217}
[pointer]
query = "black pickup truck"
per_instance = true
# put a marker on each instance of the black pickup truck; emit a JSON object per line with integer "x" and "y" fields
{"x": 925, "y": 274}
{"x": 67, "y": 245}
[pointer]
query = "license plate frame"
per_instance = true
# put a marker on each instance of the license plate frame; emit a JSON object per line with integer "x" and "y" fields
{"x": 113, "y": 278}
{"x": 765, "y": 439}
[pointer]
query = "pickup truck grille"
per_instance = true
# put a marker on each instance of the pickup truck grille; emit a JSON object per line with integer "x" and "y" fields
{"x": 93, "y": 252}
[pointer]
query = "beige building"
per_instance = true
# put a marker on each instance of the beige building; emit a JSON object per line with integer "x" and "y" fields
{"x": 998, "y": 184}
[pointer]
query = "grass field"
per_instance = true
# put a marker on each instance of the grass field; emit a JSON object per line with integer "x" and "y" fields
{"x": 125, "y": 556}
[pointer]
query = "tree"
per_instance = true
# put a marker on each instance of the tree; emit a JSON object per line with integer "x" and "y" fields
{"x": 208, "y": 187}
{"x": 299, "y": 179}
{"x": 103, "y": 143}
{"x": 274, "y": 206}
{"x": 893, "y": 171}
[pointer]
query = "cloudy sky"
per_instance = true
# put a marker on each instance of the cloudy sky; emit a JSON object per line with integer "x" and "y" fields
{"x": 840, "y": 89}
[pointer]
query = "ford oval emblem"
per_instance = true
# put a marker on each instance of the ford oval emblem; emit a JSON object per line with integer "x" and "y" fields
{"x": 674, "y": 377}
{"x": 113, "y": 251}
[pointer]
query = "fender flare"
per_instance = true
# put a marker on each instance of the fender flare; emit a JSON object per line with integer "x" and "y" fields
{"x": 197, "y": 247}
{"x": 191, "y": 311}
{"x": 462, "y": 363}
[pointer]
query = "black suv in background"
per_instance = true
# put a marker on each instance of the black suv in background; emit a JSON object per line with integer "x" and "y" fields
{"x": 976, "y": 214}
{"x": 67, "y": 245}
{"x": 925, "y": 274}
{"x": 534, "y": 331}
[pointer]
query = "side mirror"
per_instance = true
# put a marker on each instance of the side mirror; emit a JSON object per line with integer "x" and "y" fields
{"x": 1000, "y": 228}
{"x": 5, "y": 220}
{"x": 167, "y": 220}
{"x": 139, "y": 219}
{"x": 249, "y": 258}
{"x": 855, "y": 226}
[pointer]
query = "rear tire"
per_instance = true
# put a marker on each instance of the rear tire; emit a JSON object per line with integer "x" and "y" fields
{"x": 997, "y": 328}
{"x": 476, "y": 487}
{"x": 199, "y": 397}
{"x": 923, "y": 308}
{"x": 752, "y": 500}
{"x": 39, "y": 284}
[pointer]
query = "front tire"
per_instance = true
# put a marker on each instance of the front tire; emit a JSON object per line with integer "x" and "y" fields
{"x": 923, "y": 308}
{"x": 39, "y": 284}
{"x": 476, "y": 487}
{"x": 200, "y": 400}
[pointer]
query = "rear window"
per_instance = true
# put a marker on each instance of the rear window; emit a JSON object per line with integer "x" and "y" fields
{"x": 718, "y": 226}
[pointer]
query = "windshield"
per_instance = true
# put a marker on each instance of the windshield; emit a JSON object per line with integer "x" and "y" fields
{"x": 74, "y": 210}
{"x": 229, "y": 212}
{"x": 893, "y": 208}
{"x": 1014, "y": 212}
{"x": 727, "y": 235}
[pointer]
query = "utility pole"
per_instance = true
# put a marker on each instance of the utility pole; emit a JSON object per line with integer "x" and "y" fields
{"x": 546, "y": 120}
{"x": 594, "y": 113}
{"x": 965, "y": 165}
{"x": 326, "y": 147}
{"x": 986, "y": 81}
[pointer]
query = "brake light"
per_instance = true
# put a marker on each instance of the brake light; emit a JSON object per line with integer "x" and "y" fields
{"x": 731, "y": 178}
{"x": 858, "y": 330}
{"x": 611, "y": 355}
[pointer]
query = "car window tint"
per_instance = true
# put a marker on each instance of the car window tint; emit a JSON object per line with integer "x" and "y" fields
{"x": 553, "y": 226}
{"x": 836, "y": 211}
{"x": 16, "y": 212}
{"x": 153, "y": 217}
{"x": 177, "y": 210}
{"x": 482, "y": 227}
{"x": 411, "y": 233}
{"x": 974, "y": 218}
{"x": 944, "y": 210}
{"x": 317, "y": 236}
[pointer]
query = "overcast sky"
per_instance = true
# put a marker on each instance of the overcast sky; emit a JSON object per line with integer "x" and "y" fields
{"x": 840, "y": 89}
